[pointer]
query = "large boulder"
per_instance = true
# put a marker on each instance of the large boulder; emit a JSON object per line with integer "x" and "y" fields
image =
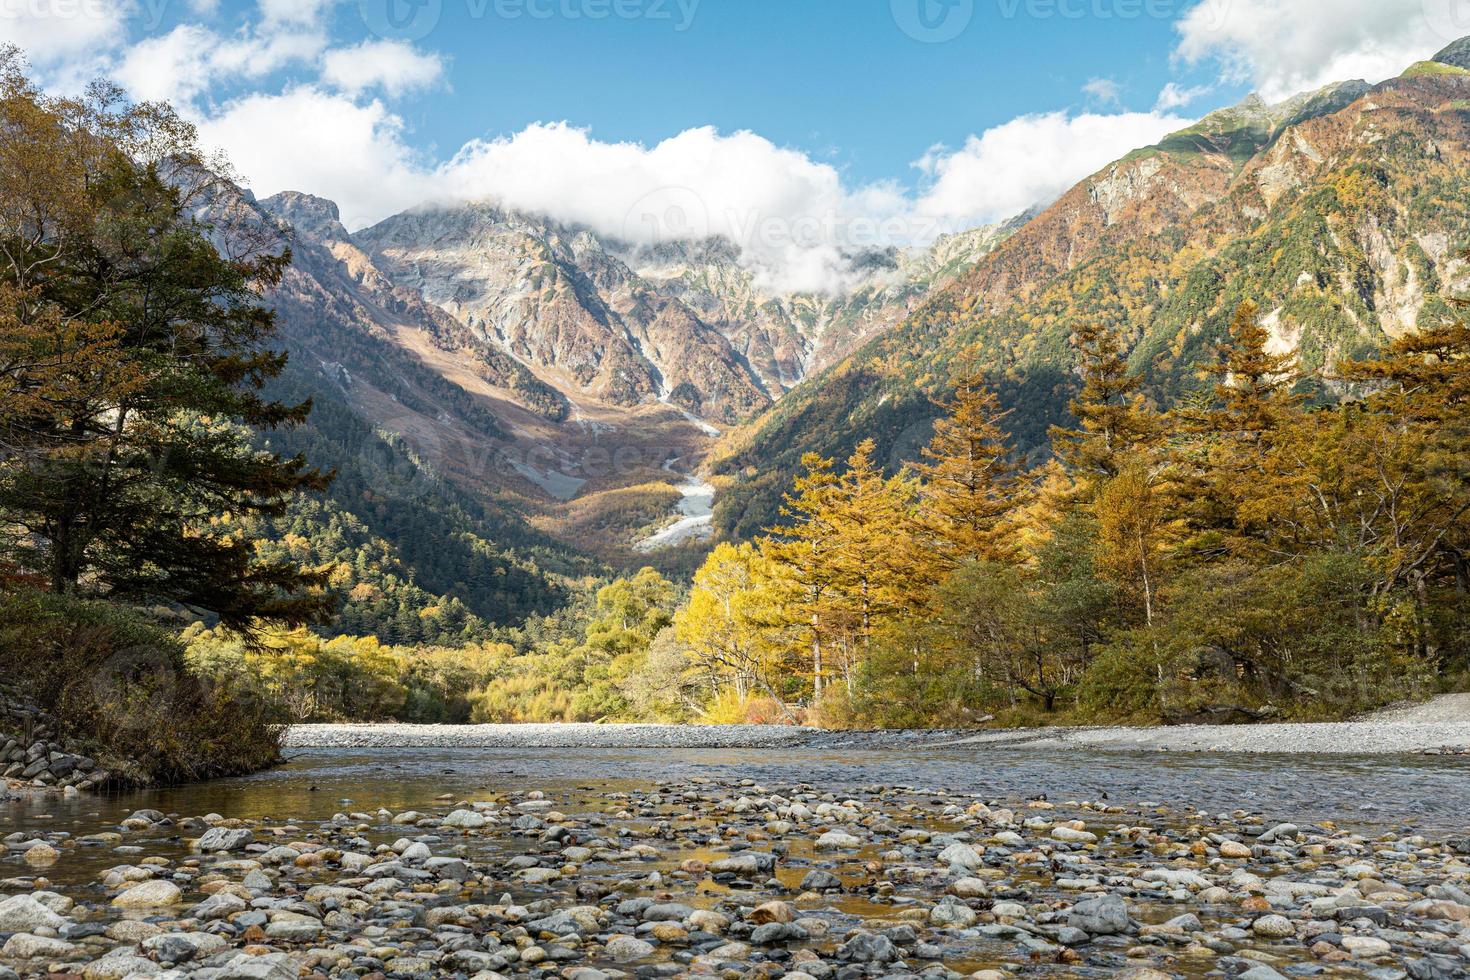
{"x": 24, "y": 914}
{"x": 149, "y": 895}
{"x": 223, "y": 839}
{"x": 1105, "y": 915}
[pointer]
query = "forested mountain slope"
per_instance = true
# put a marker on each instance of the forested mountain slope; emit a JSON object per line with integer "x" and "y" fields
{"x": 1340, "y": 213}
{"x": 421, "y": 534}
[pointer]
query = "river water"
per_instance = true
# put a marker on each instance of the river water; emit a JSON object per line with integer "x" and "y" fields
{"x": 1368, "y": 793}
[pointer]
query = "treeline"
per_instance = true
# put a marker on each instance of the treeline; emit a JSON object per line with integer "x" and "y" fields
{"x": 588, "y": 662}
{"x": 1250, "y": 553}
{"x": 408, "y": 556}
{"x": 1244, "y": 554}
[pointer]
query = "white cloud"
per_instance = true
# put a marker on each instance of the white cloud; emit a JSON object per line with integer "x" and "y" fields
{"x": 1284, "y": 48}
{"x": 1031, "y": 160}
{"x": 796, "y": 218}
{"x": 182, "y": 65}
{"x": 256, "y": 56}
{"x": 174, "y": 67}
{"x": 51, "y": 31}
{"x": 1104, "y": 90}
{"x": 790, "y": 214}
{"x": 308, "y": 140}
{"x": 393, "y": 66}
{"x": 302, "y": 13}
{"x": 1174, "y": 96}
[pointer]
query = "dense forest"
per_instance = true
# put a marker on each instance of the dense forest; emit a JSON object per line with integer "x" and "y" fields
{"x": 134, "y": 353}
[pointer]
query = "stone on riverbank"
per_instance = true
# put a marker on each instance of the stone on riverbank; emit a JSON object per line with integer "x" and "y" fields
{"x": 150, "y": 895}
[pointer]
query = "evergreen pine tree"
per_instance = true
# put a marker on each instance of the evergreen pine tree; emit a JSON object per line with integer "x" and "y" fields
{"x": 1114, "y": 421}
{"x": 969, "y": 485}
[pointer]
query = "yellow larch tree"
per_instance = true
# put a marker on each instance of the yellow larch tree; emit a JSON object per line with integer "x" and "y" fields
{"x": 970, "y": 487}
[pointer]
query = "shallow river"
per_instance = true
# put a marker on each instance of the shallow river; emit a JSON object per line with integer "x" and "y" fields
{"x": 1427, "y": 793}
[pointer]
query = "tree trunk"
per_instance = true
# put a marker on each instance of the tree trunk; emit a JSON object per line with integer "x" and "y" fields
{"x": 816, "y": 660}
{"x": 1148, "y": 592}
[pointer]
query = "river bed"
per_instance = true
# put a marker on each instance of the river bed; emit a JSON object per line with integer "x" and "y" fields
{"x": 819, "y": 863}
{"x": 1371, "y": 792}
{"x": 695, "y": 518}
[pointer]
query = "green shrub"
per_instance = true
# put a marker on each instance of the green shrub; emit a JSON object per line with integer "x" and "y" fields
{"x": 1303, "y": 638}
{"x": 899, "y": 687}
{"x": 118, "y": 684}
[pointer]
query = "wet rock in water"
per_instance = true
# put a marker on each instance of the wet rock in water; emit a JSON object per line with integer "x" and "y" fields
{"x": 220, "y": 905}
{"x": 465, "y": 820}
{"x": 1273, "y": 927}
{"x": 1261, "y": 972}
{"x": 176, "y": 947}
{"x": 867, "y": 947}
{"x": 1105, "y": 915}
{"x": 224, "y": 839}
{"x": 952, "y": 915}
{"x": 1070, "y": 835}
{"x": 121, "y": 964}
{"x": 628, "y": 949}
{"x": 274, "y": 966}
{"x": 821, "y": 881}
{"x": 960, "y": 855}
{"x": 680, "y": 879}
{"x": 773, "y": 912}
{"x": 22, "y": 913}
{"x": 149, "y": 895}
{"x": 776, "y": 933}
{"x": 969, "y": 888}
{"x": 745, "y": 864}
{"x": 1284, "y": 831}
{"x": 23, "y": 946}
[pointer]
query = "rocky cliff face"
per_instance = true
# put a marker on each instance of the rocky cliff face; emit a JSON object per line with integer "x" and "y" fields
{"x": 683, "y": 323}
{"x": 557, "y": 301}
{"x": 786, "y": 338}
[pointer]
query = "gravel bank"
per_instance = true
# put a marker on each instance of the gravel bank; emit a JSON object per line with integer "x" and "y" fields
{"x": 1354, "y": 738}
{"x": 547, "y": 736}
{"x": 1379, "y": 737}
{"x": 1452, "y": 709}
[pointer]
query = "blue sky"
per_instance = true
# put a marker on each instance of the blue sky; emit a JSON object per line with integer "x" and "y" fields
{"x": 839, "y": 79}
{"x": 836, "y": 78}
{"x": 798, "y": 127}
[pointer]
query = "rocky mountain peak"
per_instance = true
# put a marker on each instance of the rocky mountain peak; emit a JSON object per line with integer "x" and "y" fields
{"x": 314, "y": 217}
{"x": 1456, "y": 54}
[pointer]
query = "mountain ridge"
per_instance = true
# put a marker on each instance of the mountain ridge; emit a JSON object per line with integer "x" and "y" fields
{"x": 1340, "y": 221}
